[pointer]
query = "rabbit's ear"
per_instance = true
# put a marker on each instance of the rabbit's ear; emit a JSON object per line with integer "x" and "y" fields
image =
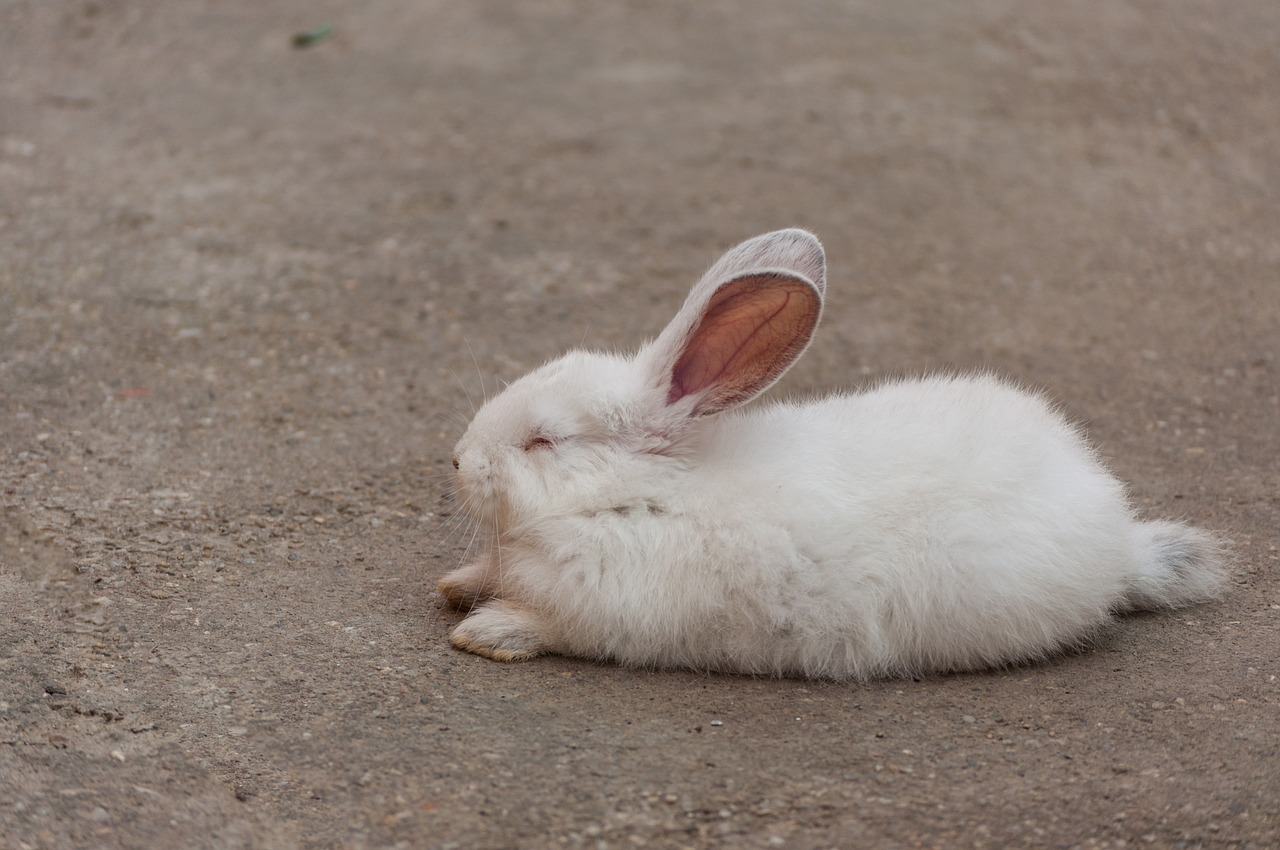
{"x": 742, "y": 338}
{"x": 744, "y": 323}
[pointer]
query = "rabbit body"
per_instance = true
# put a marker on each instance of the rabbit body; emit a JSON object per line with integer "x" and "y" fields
{"x": 946, "y": 523}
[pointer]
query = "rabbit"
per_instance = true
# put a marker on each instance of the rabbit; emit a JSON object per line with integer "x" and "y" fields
{"x": 640, "y": 515}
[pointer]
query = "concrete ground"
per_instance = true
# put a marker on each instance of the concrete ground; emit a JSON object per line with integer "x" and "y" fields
{"x": 249, "y": 292}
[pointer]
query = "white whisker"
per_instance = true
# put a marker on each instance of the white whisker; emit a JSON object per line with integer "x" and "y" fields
{"x": 484, "y": 394}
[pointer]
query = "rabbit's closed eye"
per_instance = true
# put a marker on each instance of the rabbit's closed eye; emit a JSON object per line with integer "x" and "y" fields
{"x": 538, "y": 441}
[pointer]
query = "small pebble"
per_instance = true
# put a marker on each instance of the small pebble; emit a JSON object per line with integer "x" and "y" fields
{"x": 307, "y": 39}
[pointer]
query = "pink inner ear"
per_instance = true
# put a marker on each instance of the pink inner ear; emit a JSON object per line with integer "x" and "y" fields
{"x": 751, "y": 330}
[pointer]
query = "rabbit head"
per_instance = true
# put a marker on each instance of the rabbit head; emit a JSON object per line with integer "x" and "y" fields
{"x": 590, "y": 427}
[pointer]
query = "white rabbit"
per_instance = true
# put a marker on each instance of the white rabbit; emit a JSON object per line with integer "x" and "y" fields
{"x": 949, "y": 523}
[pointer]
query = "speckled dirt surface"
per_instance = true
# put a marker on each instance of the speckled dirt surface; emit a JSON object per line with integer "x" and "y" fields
{"x": 246, "y": 290}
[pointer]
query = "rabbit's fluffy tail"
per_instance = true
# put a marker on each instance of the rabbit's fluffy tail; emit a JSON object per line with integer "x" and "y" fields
{"x": 1177, "y": 566}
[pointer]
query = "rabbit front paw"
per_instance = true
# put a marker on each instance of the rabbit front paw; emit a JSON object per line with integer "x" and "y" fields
{"x": 500, "y": 631}
{"x": 466, "y": 587}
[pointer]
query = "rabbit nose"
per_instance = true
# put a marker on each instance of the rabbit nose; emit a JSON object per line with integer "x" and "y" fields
{"x": 456, "y": 463}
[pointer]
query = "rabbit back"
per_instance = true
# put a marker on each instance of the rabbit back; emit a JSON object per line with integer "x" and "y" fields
{"x": 945, "y": 523}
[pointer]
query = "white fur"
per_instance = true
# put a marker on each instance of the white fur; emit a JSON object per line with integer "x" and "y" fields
{"x": 948, "y": 523}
